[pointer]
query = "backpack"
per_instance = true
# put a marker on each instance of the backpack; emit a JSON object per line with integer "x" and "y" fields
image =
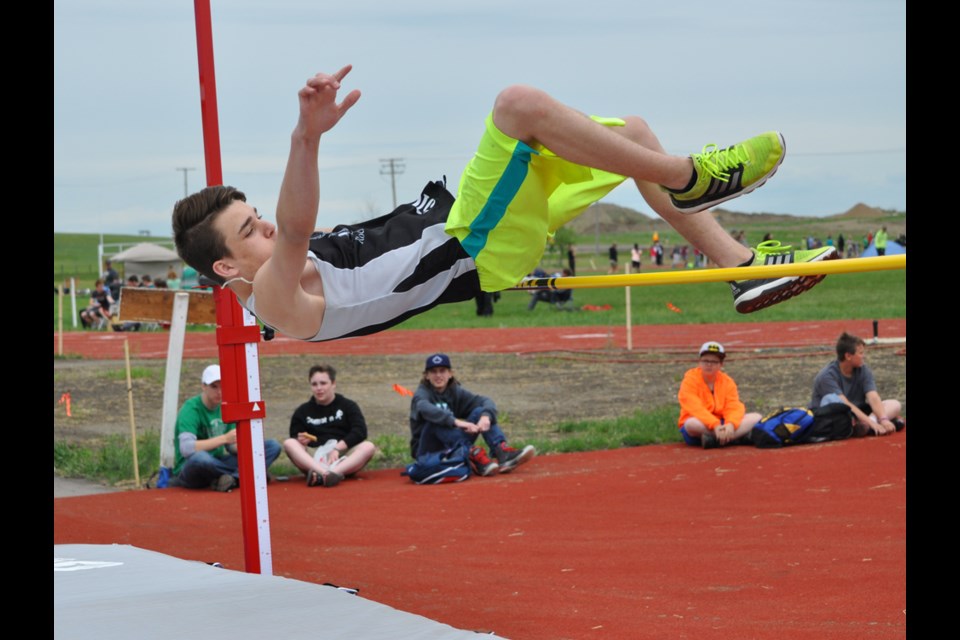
{"x": 831, "y": 422}
{"x": 785, "y": 426}
{"x": 795, "y": 425}
{"x": 438, "y": 467}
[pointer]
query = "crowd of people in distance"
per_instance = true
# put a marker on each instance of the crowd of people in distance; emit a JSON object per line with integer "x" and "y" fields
{"x": 105, "y": 297}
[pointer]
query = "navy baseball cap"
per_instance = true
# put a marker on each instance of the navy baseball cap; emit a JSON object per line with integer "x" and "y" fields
{"x": 438, "y": 360}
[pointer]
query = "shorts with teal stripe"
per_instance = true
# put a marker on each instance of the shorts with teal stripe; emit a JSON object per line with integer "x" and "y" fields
{"x": 512, "y": 197}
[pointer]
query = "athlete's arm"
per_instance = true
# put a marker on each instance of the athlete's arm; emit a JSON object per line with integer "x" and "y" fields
{"x": 277, "y": 285}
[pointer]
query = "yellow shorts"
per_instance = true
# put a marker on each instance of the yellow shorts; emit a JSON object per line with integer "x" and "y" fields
{"x": 513, "y": 196}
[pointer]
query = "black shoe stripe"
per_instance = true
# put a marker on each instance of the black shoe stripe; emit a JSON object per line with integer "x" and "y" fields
{"x": 782, "y": 258}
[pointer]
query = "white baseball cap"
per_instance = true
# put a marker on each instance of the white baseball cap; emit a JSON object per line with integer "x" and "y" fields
{"x": 713, "y": 347}
{"x": 211, "y": 374}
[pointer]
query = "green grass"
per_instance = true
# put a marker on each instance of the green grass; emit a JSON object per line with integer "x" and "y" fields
{"x": 75, "y": 255}
{"x": 110, "y": 460}
{"x": 838, "y": 297}
{"x": 656, "y": 426}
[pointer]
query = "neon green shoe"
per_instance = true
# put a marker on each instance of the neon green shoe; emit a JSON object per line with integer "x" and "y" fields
{"x": 753, "y": 295}
{"x": 723, "y": 174}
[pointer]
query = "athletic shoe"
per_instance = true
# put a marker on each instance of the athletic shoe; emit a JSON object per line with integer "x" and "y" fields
{"x": 898, "y": 424}
{"x": 724, "y": 174}
{"x": 709, "y": 441}
{"x": 753, "y": 295}
{"x": 225, "y": 483}
{"x": 510, "y": 458}
{"x": 481, "y": 463}
{"x": 317, "y": 479}
{"x": 332, "y": 479}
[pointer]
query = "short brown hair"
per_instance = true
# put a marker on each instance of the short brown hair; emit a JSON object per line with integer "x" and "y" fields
{"x": 198, "y": 243}
{"x": 323, "y": 368}
{"x": 847, "y": 343}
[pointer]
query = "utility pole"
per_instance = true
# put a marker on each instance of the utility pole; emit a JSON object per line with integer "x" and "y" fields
{"x": 185, "y": 169}
{"x": 596, "y": 229}
{"x": 392, "y": 167}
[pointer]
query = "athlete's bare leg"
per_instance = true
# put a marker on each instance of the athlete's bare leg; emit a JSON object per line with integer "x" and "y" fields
{"x": 528, "y": 114}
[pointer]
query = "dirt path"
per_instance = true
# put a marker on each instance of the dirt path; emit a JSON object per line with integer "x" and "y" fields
{"x": 534, "y": 387}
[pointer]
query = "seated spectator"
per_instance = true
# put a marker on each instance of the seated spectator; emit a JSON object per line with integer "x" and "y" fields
{"x": 147, "y": 281}
{"x": 849, "y": 380}
{"x": 132, "y": 282}
{"x": 190, "y": 278}
{"x": 99, "y": 308}
{"x": 111, "y": 279}
{"x": 173, "y": 281}
{"x": 334, "y": 426}
{"x": 205, "y": 447}
{"x": 711, "y": 414}
{"x": 561, "y": 298}
{"x": 444, "y": 415}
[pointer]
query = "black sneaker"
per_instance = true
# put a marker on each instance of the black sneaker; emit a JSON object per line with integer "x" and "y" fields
{"x": 709, "y": 441}
{"x": 510, "y": 458}
{"x": 753, "y": 295}
{"x": 225, "y": 483}
{"x": 480, "y": 462}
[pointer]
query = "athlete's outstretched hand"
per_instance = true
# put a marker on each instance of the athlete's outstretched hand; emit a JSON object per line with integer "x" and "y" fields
{"x": 319, "y": 110}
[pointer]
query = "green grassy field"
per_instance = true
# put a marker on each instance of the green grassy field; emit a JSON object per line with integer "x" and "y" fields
{"x": 837, "y": 297}
{"x": 75, "y": 255}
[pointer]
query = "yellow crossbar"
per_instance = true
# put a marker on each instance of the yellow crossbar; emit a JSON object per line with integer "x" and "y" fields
{"x": 828, "y": 267}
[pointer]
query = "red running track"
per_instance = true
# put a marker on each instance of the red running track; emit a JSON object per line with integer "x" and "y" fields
{"x": 661, "y": 541}
{"x": 653, "y": 542}
{"x": 745, "y": 335}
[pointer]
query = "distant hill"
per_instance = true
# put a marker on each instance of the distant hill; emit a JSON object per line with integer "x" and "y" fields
{"x": 861, "y": 210}
{"x": 613, "y": 219}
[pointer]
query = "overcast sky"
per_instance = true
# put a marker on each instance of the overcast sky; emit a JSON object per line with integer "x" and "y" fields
{"x": 829, "y": 74}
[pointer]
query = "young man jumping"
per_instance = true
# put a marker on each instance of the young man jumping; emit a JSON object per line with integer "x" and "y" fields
{"x": 539, "y": 165}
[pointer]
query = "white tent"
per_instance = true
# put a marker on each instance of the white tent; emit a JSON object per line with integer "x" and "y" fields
{"x": 149, "y": 259}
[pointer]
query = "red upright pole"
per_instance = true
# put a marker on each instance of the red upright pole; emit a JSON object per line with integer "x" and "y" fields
{"x": 208, "y": 93}
{"x": 237, "y": 338}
